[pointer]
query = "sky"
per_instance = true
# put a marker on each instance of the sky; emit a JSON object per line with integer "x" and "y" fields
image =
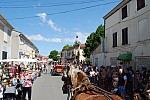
{"x": 52, "y": 24}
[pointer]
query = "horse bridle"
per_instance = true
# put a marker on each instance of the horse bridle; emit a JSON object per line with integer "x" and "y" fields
{"x": 87, "y": 87}
{"x": 91, "y": 87}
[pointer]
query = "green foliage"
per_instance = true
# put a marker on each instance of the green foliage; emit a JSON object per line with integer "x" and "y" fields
{"x": 66, "y": 47}
{"x": 87, "y": 60}
{"x": 93, "y": 40}
{"x": 53, "y": 55}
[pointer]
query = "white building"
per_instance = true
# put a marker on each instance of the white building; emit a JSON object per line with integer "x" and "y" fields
{"x": 22, "y": 47}
{"x": 13, "y": 44}
{"x": 5, "y": 38}
{"x": 72, "y": 54}
{"x": 127, "y": 34}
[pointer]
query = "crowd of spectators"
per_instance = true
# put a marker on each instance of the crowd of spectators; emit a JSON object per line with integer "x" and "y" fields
{"x": 119, "y": 80}
{"x": 20, "y": 77}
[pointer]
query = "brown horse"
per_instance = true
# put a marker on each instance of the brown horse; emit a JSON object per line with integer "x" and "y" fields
{"x": 83, "y": 90}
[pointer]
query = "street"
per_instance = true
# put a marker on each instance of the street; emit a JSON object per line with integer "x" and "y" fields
{"x": 48, "y": 87}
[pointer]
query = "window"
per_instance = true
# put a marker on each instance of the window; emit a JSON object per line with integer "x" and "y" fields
{"x": 115, "y": 39}
{"x": 1, "y": 26}
{"x": 140, "y": 4}
{"x": 96, "y": 62}
{"x": 113, "y": 60}
{"x": 5, "y": 34}
{"x": 143, "y": 28}
{"x": 9, "y": 32}
{"x": 124, "y": 12}
{"x": 124, "y": 36}
{"x": 4, "y": 55}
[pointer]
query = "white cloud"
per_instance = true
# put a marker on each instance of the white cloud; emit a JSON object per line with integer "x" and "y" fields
{"x": 54, "y": 26}
{"x": 42, "y": 16}
{"x": 38, "y": 37}
{"x": 68, "y": 40}
{"x": 82, "y": 36}
{"x": 55, "y": 40}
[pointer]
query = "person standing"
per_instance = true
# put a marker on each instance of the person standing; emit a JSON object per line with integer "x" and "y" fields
{"x": 97, "y": 76}
{"x": 27, "y": 86}
{"x": 19, "y": 69}
{"x": 19, "y": 88}
{"x": 122, "y": 82}
{"x": 92, "y": 75}
{"x": 52, "y": 67}
{"x": 1, "y": 91}
{"x": 108, "y": 78}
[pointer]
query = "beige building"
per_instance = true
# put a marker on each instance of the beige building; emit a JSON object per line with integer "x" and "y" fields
{"x": 97, "y": 56}
{"x": 63, "y": 56}
{"x": 73, "y": 53}
{"x": 13, "y": 44}
{"x": 127, "y": 34}
{"x": 5, "y": 38}
{"x": 22, "y": 47}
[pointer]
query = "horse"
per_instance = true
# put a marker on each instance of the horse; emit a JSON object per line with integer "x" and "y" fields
{"x": 82, "y": 89}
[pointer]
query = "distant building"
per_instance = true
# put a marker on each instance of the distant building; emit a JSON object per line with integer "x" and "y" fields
{"x": 63, "y": 56}
{"x": 73, "y": 53}
{"x": 127, "y": 34}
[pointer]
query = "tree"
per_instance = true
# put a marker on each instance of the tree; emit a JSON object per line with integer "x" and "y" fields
{"x": 53, "y": 55}
{"x": 66, "y": 47}
{"x": 93, "y": 40}
{"x": 87, "y": 60}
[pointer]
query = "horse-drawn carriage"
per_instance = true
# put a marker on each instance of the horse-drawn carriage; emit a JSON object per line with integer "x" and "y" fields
{"x": 79, "y": 87}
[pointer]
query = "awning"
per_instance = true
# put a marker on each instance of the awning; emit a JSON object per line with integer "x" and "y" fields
{"x": 127, "y": 56}
{"x": 19, "y": 60}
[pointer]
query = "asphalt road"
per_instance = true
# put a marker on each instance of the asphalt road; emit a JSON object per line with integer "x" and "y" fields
{"x": 48, "y": 87}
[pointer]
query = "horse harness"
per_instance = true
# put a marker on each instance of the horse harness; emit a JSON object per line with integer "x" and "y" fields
{"x": 89, "y": 87}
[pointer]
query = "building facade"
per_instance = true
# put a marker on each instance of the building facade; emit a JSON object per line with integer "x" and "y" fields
{"x": 63, "y": 56}
{"x": 5, "y": 38}
{"x": 13, "y": 44}
{"x": 127, "y": 34}
{"x": 97, "y": 56}
{"x": 22, "y": 47}
{"x": 73, "y": 54}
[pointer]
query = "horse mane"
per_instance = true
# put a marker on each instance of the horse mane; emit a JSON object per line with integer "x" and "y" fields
{"x": 76, "y": 76}
{"x": 80, "y": 83}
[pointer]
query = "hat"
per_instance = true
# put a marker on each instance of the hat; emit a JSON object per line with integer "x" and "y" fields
{"x": 113, "y": 66}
